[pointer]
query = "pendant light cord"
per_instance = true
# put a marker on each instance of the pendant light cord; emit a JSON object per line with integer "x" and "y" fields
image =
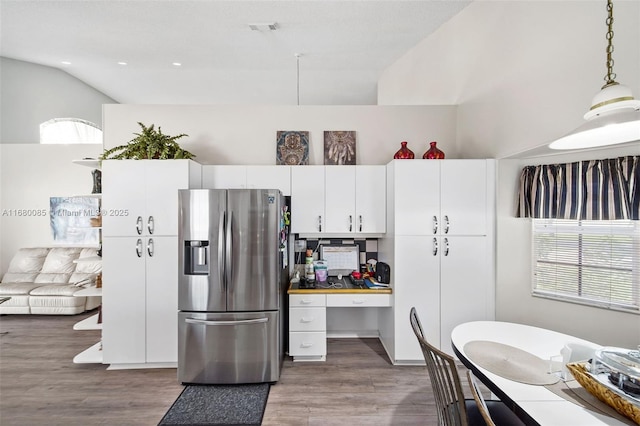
{"x": 610, "y": 77}
{"x": 298, "y": 77}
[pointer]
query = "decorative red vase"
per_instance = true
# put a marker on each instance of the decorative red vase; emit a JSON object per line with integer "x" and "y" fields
{"x": 433, "y": 153}
{"x": 404, "y": 153}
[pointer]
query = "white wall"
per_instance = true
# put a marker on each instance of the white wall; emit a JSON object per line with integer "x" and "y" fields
{"x": 523, "y": 73}
{"x": 32, "y": 94}
{"x": 29, "y": 175}
{"x": 246, "y": 134}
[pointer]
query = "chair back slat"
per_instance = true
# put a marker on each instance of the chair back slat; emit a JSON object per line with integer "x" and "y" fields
{"x": 443, "y": 374}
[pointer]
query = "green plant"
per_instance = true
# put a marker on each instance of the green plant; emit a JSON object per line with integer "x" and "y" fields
{"x": 148, "y": 144}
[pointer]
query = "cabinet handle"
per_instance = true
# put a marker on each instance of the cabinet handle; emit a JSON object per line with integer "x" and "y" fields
{"x": 306, "y": 345}
{"x": 446, "y": 247}
{"x": 435, "y": 225}
{"x": 305, "y": 302}
{"x": 360, "y": 218}
{"x": 139, "y": 247}
{"x": 357, "y": 302}
{"x": 306, "y": 319}
{"x": 350, "y": 223}
{"x": 139, "y": 225}
{"x": 319, "y": 223}
{"x": 435, "y": 246}
{"x": 150, "y": 224}
{"x": 150, "y": 247}
{"x": 446, "y": 224}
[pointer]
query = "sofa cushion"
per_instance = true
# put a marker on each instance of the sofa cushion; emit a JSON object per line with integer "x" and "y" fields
{"x": 15, "y": 277}
{"x": 60, "y": 260}
{"x": 28, "y": 260}
{"x": 89, "y": 266}
{"x": 55, "y": 290}
{"x": 52, "y": 278}
{"x": 9, "y": 289}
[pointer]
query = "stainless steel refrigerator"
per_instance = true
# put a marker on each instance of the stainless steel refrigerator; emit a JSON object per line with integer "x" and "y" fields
{"x": 232, "y": 285}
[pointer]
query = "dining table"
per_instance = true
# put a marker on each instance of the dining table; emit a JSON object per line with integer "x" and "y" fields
{"x": 516, "y": 363}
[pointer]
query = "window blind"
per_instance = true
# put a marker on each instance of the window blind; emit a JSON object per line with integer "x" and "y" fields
{"x": 590, "y": 262}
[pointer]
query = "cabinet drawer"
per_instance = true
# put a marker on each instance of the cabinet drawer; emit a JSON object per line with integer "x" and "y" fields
{"x": 308, "y": 344}
{"x": 308, "y": 319}
{"x": 307, "y": 300}
{"x": 358, "y": 300}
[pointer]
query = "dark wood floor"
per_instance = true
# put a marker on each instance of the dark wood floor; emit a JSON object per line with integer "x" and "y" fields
{"x": 40, "y": 385}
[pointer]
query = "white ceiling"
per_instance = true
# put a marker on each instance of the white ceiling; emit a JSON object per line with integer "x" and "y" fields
{"x": 345, "y": 45}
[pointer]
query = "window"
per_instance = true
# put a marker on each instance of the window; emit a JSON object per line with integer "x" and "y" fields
{"x": 590, "y": 262}
{"x": 69, "y": 130}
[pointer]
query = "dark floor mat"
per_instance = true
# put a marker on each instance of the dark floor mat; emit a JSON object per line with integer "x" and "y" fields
{"x": 218, "y": 405}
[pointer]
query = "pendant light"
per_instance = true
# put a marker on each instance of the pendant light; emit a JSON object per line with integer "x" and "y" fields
{"x": 614, "y": 116}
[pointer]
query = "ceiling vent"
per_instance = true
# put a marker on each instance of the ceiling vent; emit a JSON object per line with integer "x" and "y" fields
{"x": 269, "y": 26}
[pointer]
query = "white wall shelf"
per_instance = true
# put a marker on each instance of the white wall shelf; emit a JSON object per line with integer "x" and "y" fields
{"x": 89, "y": 323}
{"x": 90, "y": 291}
{"x": 91, "y": 355}
{"x": 95, "y": 163}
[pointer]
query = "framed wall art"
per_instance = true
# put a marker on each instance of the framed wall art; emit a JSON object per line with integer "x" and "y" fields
{"x": 339, "y": 147}
{"x": 71, "y": 220}
{"x": 292, "y": 148}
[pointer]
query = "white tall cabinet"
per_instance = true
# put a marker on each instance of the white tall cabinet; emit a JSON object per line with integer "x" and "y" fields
{"x": 140, "y": 259}
{"x": 440, "y": 244}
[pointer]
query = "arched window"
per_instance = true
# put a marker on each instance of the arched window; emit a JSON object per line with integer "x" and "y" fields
{"x": 69, "y": 130}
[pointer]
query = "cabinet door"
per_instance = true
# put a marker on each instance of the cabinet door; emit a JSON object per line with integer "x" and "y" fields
{"x": 270, "y": 177}
{"x": 307, "y": 199}
{"x": 371, "y": 199}
{"x": 465, "y": 275}
{"x": 463, "y": 197}
{"x": 224, "y": 177}
{"x": 417, "y": 196}
{"x": 416, "y": 282}
{"x": 163, "y": 179}
{"x": 340, "y": 198}
{"x": 123, "y": 300}
{"x": 162, "y": 299}
{"x": 123, "y": 198}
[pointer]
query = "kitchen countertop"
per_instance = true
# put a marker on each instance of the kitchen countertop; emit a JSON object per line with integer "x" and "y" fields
{"x": 325, "y": 288}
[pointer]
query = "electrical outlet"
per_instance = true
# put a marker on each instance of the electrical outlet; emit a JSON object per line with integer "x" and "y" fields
{"x": 300, "y": 246}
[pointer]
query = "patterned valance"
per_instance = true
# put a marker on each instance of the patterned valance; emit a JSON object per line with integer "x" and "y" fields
{"x": 584, "y": 190}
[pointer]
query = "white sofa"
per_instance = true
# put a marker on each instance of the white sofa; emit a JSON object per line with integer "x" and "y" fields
{"x": 43, "y": 280}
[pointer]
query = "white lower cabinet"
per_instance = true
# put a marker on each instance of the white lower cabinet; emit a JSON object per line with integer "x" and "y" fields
{"x": 140, "y": 312}
{"x": 307, "y": 327}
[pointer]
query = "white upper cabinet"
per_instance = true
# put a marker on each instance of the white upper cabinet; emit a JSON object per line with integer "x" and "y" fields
{"x": 140, "y": 197}
{"x": 224, "y": 177}
{"x": 371, "y": 199}
{"x": 307, "y": 199}
{"x": 247, "y": 177}
{"x": 270, "y": 177}
{"x": 338, "y": 199}
{"x": 441, "y": 197}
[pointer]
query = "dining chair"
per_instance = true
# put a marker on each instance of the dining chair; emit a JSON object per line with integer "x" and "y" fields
{"x": 477, "y": 396}
{"x": 452, "y": 407}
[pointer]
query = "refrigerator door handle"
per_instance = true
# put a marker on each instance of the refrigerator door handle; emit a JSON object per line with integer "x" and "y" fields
{"x": 239, "y": 322}
{"x": 221, "y": 248}
{"x": 228, "y": 250}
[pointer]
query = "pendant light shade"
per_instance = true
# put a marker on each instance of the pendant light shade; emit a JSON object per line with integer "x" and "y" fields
{"x": 614, "y": 116}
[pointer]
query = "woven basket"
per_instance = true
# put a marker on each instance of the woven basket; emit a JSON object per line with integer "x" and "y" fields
{"x": 604, "y": 394}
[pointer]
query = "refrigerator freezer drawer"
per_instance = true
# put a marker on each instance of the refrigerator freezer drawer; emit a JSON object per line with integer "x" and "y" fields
{"x": 218, "y": 348}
